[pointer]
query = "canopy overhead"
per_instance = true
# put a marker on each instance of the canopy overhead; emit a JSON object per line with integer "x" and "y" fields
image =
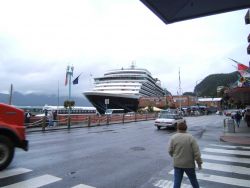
{"x": 170, "y": 11}
{"x": 155, "y": 109}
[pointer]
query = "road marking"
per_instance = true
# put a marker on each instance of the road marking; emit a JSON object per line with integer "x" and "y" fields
{"x": 35, "y": 182}
{"x": 82, "y": 186}
{"x": 233, "y": 147}
{"x": 13, "y": 172}
{"x": 226, "y": 158}
{"x": 169, "y": 184}
{"x": 220, "y": 179}
{"x": 226, "y": 168}
{"x": 235, "y": 152}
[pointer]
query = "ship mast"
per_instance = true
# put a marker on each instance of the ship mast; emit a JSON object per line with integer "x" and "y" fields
{"x": 133, "y": 65}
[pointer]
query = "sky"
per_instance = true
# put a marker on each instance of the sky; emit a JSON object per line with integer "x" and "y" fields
{"x": 40, "y": 38}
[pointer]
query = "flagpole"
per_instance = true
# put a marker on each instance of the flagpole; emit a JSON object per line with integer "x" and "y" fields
{"x": 57, "y": 96}
{"x": 180, "y": 88}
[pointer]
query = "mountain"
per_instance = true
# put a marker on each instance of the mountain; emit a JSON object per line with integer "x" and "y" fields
{"x": 208, "y": 86}
{"x": 20, "y": 99}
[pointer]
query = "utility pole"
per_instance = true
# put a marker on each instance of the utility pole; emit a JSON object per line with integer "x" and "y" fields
{"x": 180, "y": 88}
{"x": 11, "y": 92}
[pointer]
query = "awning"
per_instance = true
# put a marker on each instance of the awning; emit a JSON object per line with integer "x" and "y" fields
{"x": 170, "y": 11}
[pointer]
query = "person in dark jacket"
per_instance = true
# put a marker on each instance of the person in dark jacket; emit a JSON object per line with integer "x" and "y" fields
{"x": 237, "y": 118}
{"x": 247, "y": 117}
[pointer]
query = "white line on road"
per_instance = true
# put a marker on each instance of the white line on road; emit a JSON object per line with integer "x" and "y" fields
{"x": 35, "y": 182}
{"x": 82, "y": 186}
{"x": 220, "y": 179}
{"x": 235, "y": 152}
{"x": 226, "y": 158}
{"x": 233, "y": 147}
{"x": 169, "y": 184}
{"x": 226, "y": 168}
{"x": 13, "y": 172}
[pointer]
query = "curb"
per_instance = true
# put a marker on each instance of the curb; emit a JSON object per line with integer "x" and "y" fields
{"x": 244, "y": 140}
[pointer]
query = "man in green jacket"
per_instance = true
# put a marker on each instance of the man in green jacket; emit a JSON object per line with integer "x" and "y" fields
{"x": 185, "y": 151}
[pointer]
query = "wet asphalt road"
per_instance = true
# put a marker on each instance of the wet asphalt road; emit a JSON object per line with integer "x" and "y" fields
{"x": 114, "y": 156}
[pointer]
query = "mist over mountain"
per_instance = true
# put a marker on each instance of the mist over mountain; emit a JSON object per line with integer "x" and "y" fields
{"x": 20, "y": 99}
{"x": 206, "y": 88}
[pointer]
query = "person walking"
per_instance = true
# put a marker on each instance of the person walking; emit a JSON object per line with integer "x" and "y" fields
{"x": 247, "y": 116}
{"x": 185, "y": 151}
{"x": 237, "y": 118}
{"x": 27, "y": 117}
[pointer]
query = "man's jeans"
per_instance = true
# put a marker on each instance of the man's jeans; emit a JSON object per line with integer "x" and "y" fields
{"x": 178, "y": 175}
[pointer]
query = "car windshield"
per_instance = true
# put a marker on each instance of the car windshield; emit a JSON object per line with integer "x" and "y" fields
{"x": 168, "y": 116}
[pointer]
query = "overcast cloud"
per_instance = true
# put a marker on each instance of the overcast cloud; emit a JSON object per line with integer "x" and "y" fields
{"x": 39, "y": 38}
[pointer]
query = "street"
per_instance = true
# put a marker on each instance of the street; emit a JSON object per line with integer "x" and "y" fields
{"x": 126, "y": 155}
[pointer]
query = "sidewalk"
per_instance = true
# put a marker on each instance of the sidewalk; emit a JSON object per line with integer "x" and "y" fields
{"x": 241, "y": 135}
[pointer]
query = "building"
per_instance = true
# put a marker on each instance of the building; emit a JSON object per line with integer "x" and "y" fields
{"x": 210, "y": 102}
{"x": 184, "y": 100}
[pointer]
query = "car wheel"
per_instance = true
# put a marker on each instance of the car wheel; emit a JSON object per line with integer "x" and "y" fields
{"x": 6, "y": 152}
{"x": 158, "y": 127}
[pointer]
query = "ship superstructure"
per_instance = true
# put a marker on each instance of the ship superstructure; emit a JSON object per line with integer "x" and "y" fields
{"x": 122, "y": 88}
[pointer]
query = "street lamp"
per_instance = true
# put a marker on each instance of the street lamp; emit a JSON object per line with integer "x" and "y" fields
{"x": 196, "y": 92}
{"x": 69, "y": 74}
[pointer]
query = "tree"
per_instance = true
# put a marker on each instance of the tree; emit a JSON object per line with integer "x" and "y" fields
{"x": 69, "y": 104}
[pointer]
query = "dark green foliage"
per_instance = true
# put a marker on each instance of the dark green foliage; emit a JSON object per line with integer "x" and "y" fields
{"x": 208, "y": 86}
{"x": 189, "y": 93}
{"x": 69, "y": 104}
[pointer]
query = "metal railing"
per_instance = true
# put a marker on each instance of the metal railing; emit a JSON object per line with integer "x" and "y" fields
{"x": 41, "y": 123}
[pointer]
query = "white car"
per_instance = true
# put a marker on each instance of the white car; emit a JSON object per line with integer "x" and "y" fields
{"x": 168, "y": 120}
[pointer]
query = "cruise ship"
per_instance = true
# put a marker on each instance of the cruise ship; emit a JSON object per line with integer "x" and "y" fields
{"x": 122, "y": 88}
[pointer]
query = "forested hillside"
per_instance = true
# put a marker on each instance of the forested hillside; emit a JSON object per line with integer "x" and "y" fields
{"x": 208, "y": 86}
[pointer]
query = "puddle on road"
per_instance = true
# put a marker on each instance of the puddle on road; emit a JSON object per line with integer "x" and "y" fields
{"x": 138, "y": 148}
{"x": 101, "y": 131}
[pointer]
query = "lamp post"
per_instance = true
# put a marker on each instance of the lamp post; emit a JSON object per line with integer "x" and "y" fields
{"x": 196, "y": 92}
{"x": 69, "y": 74}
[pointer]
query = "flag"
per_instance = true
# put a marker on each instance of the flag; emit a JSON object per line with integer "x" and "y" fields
{"x": 242, "y": 67}
{"x": 75, "y": 81}
{"x": 66, "y": 79}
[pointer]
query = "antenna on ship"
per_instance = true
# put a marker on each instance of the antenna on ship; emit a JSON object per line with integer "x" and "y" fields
{"x": 133, "y": 65}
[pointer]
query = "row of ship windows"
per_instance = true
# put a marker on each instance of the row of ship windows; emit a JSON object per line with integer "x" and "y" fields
{"x": 149, "y": 89}
{"x": 126, "y": 88}
{"x": 127, "y": 72}
{"x": 134, "y": 77}
{"x": 150, "y": 83}
{"x": 117, "y": 90}
{"x": 149, "y": 86}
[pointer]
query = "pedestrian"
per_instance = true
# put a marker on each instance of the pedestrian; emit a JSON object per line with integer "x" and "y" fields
{"x": 55, "y": 117}
{"x": 237, "y": 118}
{"x": 185, "y": 151}
{"x": 50, "y": 118}
{"x": 27, "y": 117}
{"x": 247, "y": 116}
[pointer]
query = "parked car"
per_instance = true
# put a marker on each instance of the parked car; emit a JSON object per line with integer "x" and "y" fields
{"x": 130, "y": 114}
{"x": 230, "y": 112}
{"x": 168, "y": 120}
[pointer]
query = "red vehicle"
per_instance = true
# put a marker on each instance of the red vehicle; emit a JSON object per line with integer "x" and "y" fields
{"x": 12, "y": 133}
